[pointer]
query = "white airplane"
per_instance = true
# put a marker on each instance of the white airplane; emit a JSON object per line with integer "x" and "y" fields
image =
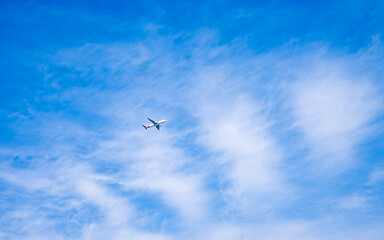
{"x": 156, "y": 124}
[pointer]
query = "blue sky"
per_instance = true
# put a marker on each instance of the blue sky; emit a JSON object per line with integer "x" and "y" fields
{"x": 274, "y": 120}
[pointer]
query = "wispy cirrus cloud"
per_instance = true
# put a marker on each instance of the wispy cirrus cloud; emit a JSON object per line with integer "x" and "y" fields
{"x": 376, "y": 176}
{"x": 335, "y": 111}
{"x": 218, "y": 169}
{"x": 235, "y": 130}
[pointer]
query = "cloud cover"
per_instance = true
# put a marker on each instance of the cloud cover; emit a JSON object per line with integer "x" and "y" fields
{"x": 267, "y": 145}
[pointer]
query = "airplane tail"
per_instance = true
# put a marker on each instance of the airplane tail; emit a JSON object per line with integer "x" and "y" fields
{"x": 145, "y": 126}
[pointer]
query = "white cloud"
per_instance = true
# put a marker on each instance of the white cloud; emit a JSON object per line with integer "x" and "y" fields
{"x": 239, "y": 131}
{"x": 334, "y": 110}
{"x": 235, "y": 129}
{"x": 230, "y": 125}
{"x": 354, "y": 202}
{"x": 376, "y": 176}
{"x": 154, "y": 165}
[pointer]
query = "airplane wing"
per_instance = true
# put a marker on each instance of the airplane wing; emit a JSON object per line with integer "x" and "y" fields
{"x": 158, "y": 127}
{"x": 154, "y": 122}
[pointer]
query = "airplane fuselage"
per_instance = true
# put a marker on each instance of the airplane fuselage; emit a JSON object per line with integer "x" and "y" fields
{"x": 161, "y": 122}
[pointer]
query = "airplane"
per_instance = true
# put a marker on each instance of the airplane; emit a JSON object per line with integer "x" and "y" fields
{"x": 156, "y": 124}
